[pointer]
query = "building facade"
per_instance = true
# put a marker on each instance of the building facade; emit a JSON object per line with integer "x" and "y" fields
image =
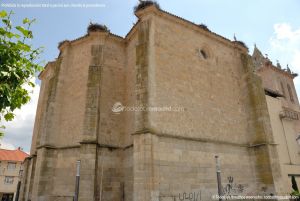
{"x": 284, "y": 110}
{"x": 146, "y": 115}
{"x": 11, "y": 170}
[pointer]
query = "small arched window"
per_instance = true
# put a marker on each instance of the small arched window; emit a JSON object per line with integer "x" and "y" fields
{"x": 290, "y": 93}
{"x": 203, "y": 54}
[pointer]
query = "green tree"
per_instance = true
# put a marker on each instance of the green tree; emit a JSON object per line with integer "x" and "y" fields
{"x": 17, "y": 66}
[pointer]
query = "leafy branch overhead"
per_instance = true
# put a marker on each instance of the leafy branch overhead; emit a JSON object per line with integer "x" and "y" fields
{"x": 17, "y": 65}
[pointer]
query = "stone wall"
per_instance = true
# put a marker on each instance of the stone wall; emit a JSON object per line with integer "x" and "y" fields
{"x": 115, "y": 174}
{"x": 213, "y": 91}
{"x": 130, "y": 97}
{"x": 277, "y": 81}
{"x": 69, "y": 127}
{"x": 188, "y": 166}
{"x": 64, "y": 172}
{"x": 218, "y": 107}
{"x": 288, "y": 148}
{"x": 112, "y": 90}
{"x": 223, "y": 102}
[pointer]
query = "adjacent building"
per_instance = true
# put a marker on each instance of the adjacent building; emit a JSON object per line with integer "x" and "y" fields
{"x": 147, "y": 113}
{"x": 284, "y": 110}
{"x": 11, "y": 170}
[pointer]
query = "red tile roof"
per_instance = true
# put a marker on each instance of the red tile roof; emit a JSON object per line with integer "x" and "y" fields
{"x": 12, "y": 155}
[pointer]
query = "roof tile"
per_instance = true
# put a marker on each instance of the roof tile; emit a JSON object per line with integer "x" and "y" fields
{"x": 12, "y": 155}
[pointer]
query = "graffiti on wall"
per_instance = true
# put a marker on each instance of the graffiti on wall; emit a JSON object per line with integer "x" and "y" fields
{"x": 229, "y": 188}
{"x": 194, "y": 196}
{"x": 190, "y": 196}
{"x": 232, "y": 188}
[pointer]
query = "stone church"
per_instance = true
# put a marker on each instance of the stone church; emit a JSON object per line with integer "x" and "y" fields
{"x": 147, "y": 113}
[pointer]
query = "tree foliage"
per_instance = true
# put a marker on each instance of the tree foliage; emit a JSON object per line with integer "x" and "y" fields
{"x": 17, "y": 65}
{"x": 294, "y": 184}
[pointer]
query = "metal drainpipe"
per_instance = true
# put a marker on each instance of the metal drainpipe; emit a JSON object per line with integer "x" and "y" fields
{"x": 18, "y": 191}
{"x": 219, "y": 177}
{"x": 101, "y": 180}
{"x": 77, "y": 181}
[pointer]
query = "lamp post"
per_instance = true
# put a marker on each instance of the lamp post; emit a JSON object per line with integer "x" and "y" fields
{"x": 218, "y": 169}
{"x": 77, "y": 181}
{"x": 18, "y": 191}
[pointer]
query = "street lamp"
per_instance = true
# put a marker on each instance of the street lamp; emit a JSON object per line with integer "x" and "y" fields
{"x": 77, "y": 180}
{"x": 218, "y": 170}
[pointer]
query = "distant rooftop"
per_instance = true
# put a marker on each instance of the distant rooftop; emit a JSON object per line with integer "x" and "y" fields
{"x": 12, "y": 155}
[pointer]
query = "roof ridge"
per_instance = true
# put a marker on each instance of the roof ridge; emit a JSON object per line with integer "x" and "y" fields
{"x": 13, "y": 155}
{"x": 209, "y": 32}
{"x": 22, "y": 151}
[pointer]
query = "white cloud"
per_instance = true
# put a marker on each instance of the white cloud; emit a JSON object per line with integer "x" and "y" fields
{"x": 6, "y": 145}
{"x": 18, "y": 133}
{"x": 284, "y": 31}
{"x": 285, "y": 46}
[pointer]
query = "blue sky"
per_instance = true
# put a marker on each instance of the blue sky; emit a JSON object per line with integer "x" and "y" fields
{"x": 274, "y": 25}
